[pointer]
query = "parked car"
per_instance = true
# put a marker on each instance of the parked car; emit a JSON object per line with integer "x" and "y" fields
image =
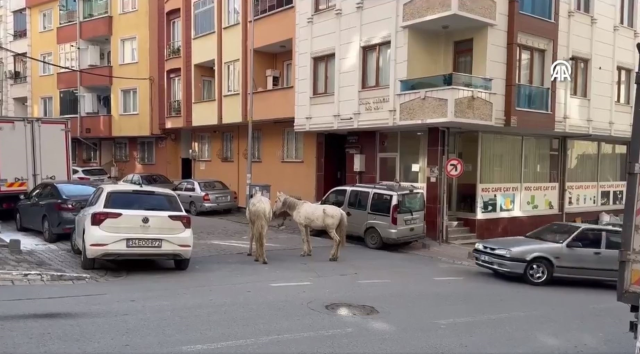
{"x": 97, "y": 174}
{"x": 203, "y": 195}
{"x": 560, "y": 249}
{"x": 125, "y": 222}
{"x": 51, "y": 207}
{"x": 149, "y": 179}
{"x": 381, "y": 213}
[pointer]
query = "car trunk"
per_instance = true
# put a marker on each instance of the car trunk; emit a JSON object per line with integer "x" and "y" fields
{"x": 133, "y": 222}
{"x": 96, "y": 174}
{"x": 221, "y": 196}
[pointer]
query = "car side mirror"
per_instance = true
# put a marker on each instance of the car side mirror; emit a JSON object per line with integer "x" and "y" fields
{"x": 22, "y": 196}
{"x": 574, "y": 244}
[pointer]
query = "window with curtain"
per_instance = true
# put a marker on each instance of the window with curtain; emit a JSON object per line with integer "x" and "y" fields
{"x": 256, "y": 145}
{"x": 90, "y": 151}
{"x": 292, "y": 145}
{"x": 579, "y": 69}
{"x": 627, "y": 13}
{"x": 463, "y": 56}
{"x": 623, "y": 85}
{"x": 501, "y": 159}
{"x": 203, "y": 17}
{"x": 146, "y": 151}
{"x": 121, "y": 148}
{"x": 530, "y": 66}
{"x": 540, "y": 160}
{"x": 613, "y": 162}
{"x": 232, "y": 76}
{"x": 207, "y": 89}
{"x": 376, "y": 66}
{"x": 582, "y": 161}
{"x": 128, "y": 50}
{"x": 233, "y": 12}
{"x": 412, "y": 157}
{"x": 323, "y": 75}
{"x": 227, "y": 146}
{"x": 204, "y": 146}
{"x": 67, "y": 56}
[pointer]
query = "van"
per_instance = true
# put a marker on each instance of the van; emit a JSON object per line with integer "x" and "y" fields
{"x": 381, "y": 213}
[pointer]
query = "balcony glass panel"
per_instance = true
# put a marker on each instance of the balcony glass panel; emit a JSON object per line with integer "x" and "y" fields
{"x": 539, "y": 8}
{"x": 94, "y": 8}
{"x": 535, "y": 98}
{"x": 68, "y": 11}
{"x": 446, "y": 80}
{"x": 263, "y": 7}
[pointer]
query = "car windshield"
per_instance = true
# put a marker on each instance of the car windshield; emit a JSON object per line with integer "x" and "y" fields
{"x": 556, "y": 232}
{"x": 410, "y": 203}
{"x": 154, "y": 179}
{"x": 75, "y": 190}
{"x": 142, "y": 200}
{"x": 95, "y": 172}
{"x": 212, "y": 186}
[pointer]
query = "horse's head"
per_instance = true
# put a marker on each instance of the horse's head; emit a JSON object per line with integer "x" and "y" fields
{"x": 278, "y": 207}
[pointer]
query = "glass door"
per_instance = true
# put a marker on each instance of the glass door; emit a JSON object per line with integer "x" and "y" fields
{"x": 387, "y": 167}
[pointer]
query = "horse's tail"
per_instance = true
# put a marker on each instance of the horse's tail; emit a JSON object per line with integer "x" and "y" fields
{"x": 341, "y": 230}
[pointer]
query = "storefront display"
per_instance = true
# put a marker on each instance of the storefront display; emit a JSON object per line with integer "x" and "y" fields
{"x": 612, "y": 194}
{"x": 498, "y": 198}
{"x": 539, "y": 196}
{"x": 581, "y": 195}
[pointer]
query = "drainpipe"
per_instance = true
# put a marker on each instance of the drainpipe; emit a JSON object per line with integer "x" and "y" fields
{"x": 392, "y": 66}
{"x": 79, "y": 94}
{"x": 442, "y": 198}
{"x": 614, "y": 65}
{"x": 567, "y": 84}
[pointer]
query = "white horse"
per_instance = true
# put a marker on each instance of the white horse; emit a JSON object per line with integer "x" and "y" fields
{"x": 259, "y": 214}
{"x": 317, "y": 217}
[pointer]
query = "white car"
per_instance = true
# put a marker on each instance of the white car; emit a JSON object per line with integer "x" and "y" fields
{"x": 123, "y": 221}
{"x": 97, "y": 174}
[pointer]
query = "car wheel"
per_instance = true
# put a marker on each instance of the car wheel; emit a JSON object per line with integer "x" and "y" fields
{"x": 373, "y": 239}
{"x": 47, "y": 233}
{"x": 538, "y": 272}
{"x": 74, "y": 246}
{"x": 19, "y": 226}
{"x": 193, "y": 209}
{"x": 86, "y": 263}
{"x": 181, "y": 264}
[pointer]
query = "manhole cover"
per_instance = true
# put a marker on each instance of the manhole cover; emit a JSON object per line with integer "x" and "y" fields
{"x": 352, "y": 310}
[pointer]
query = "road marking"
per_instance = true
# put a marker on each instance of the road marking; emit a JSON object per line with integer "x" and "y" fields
{"x": 290, "y": 284}
{"x": 374, "y": 281}
{"x": 234, "y": 243}
{"x": 264, "y": 340}
{"x": 483, "y": 318}
{"x": 449, "y": 278}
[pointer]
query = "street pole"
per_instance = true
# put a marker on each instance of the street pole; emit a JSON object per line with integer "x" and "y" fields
{"x": 79, "y": 77}
{"x": 250, "y": 118}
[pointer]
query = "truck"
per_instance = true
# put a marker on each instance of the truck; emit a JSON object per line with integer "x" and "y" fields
{"x": 32, "y": 150}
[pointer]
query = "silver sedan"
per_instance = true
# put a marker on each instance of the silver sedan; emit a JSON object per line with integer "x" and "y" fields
{"x": 568, "y": 250}
{"x": 203, "y": 195}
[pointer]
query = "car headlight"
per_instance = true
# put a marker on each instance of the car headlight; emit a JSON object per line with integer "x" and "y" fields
{"x": 503, "y": 252}
{"x": 478, "y": 246}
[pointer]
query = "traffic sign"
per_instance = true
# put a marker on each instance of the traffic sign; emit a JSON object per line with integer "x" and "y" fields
{"x": 454, "y": 167}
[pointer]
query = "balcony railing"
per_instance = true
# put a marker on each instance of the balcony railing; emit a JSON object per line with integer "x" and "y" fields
{"x": 68, "y": 16}
{"x": 20, "y": 79}
{"x": 174, "y": 49}
{"x": 175, "y": 108}
{"x": 95, "y": 8}
{"x": 263, "y": 7}
{"x": 447, "y": 80}
{"x": 19, "y": 34}
{"x": 535, "y": 98}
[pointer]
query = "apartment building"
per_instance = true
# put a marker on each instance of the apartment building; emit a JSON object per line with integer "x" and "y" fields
{"x": 16, "y": 84}
{"x": 411, "y": 83}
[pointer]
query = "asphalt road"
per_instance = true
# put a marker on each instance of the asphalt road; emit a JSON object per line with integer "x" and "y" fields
{"x": 230, "y": 304}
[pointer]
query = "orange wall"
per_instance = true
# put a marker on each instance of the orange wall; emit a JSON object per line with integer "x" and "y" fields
{"x": 275, "y": 27}
{"x": 198, "y": 73}
{"x": 264, "y": 61}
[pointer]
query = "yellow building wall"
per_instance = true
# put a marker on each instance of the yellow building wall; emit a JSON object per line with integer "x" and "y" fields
{"x": 231, "y": 50}
{"x": 136, "y": 24}
{"x": 43, "y": 42}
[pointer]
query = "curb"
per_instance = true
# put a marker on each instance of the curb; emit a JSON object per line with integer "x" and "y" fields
{"x": 444, "y": 259}
{"x": 44, "y": 276}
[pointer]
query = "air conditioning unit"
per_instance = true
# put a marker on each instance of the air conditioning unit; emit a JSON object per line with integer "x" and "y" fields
{"x": 93, "y": 55}
{"x": 273, "y": 79}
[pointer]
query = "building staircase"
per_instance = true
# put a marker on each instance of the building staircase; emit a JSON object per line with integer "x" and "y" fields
{"x": 459, "y": 234}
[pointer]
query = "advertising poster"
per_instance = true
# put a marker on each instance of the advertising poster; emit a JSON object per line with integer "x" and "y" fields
{"x": 612, "y": 193}
{"x": 539, "y": 196}
{"x": 581, "y": 195}
{"x": 498, "y": 198}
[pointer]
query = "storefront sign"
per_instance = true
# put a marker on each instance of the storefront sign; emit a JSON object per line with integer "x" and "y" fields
{"x": 581, "y": 195}
{"x": 374, "y": 104}
{"x": 539, "y": 196}
{"x": 612, "y": 193}
{"x": 352, "y": 139}
{"x": 499, "y": 198}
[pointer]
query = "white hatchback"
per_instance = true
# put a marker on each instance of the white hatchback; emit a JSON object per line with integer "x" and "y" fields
{"x": 123, "y": 221}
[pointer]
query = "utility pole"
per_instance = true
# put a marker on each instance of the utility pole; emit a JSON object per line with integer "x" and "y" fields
{"x": 250, "y": 118}
{"x": 79, "y": 94}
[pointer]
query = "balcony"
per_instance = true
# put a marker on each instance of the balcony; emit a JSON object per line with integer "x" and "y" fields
{"x": 265, "y": 7}
{"x": 450, "y": 97}
{"x": 175, "y": 108}
{"x": 275, "y": 27}
{"x": 534, "y": 98}
{"x": 93, "y": 126}
{"x": 95, "y": 8}
{"x": 274, "y": 104}
{"x": 205, "y": 113}
{"x": 449, "y": 14}
{"x": 19, "y": 34}
{"x": 68, "y": 16}
{"x": 20, "y": 80}
{"x": 19, "y": 87}
{"x": 174, "y": 49}
{"x": 69, "y": 79}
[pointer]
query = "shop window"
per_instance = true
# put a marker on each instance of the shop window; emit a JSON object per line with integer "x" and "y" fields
{"x": 412, "y": 157}
{"x": 613, "y": 161}
{"x": 501, "y": 159}
{"x": 582, "y": 161}
{"x": 387, "y": 143}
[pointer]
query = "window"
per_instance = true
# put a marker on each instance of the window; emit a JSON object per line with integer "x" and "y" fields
{"x": 358, "y": 200}
{"x": 380, "y": 204}
{"x": 20, "y": 24}
{"x": 128, "y": 5}
{"x": 68, "y": 103}
{"x": 582, "y": 161}
{"x": 129, "y": 101}
{"x": 189, "y": 187}
{"x": 501, "y": 159}
{"x": 613, "y": 240}
{"x": 175, "y": 41}
{"x": 68, "y": 11}
{"x": 204, "y": 146}
{"x": 324, "y": 4}
{"x": 175, "y": 105}
{"x": 530, "y": 66}
{"x": 463, "y": 57}
{"x": 538, "y": 8}
{"x": 292, "y": 145}
{"x": 46, "y": 69}
{"x": 121, "y": 148}
{"x": 20, "y": 69}
{"x": 208, "y": 89}
{"x": 335, "y": 198}
{"x": 46, "y": 107}
{"x": 203, "y": 17}
{"x": 613, "y": 162}
{"x": 627, "y": 14}
{"x": 90, "y": 151}
{"x": 74, "y": 153}
{"x": 232, "y": 76}
{"x": 412, "y": 156}
{"x": 579, "y": 71}
{"x": 256, "y": 145}
{"x": 128, "y": 50}
{"x": 227, "y": 146}
{"x": 583, "y": 6}
{"x": 376, "y": 66}
{"x": 46, "y": 20}
{"x": 263, "y": 7}
{"x": 233, "y": 12}
{"x": 541, "y": 160}
{"x": 67, "y": 56}
{"x": 146, "y": 151}
{"x": 288, "y": 72}
{"x": 323, "y": 75}
{"x": 623, "y": 83}
{"x": 590, "y": 239}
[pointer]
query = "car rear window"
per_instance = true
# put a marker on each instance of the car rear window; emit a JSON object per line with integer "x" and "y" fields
{"x": 75, "y": 190}
{"x": 95, "y": 172}
{"x": 155, "y": 179}
{"x": 142, "y": 200}
{"x": 410, "y": 203}
{"x": 212, "y": 186}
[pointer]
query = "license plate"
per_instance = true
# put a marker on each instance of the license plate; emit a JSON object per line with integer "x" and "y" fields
{"x": 99, "y": 179}
{"x": 222, "y": 199}
{"x": 485, "y": 258}
{"x": 143, "y": 243}
{"x": 411, "y": 222}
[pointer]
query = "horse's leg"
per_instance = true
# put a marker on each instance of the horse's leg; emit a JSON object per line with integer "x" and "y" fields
{"x": 304, "y": 241}
{"x": 336, "y": 245}
{"x": 263, "y": 242}
{"x": 307, "y": 236}
{"x": 250, "y": 240}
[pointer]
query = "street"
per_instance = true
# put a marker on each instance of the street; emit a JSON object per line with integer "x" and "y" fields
{"x": 227, "y": 303}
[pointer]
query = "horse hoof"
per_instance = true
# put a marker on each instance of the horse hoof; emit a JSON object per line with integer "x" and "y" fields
{"x": 249, "y": 254}
{"x": 302, "y": 254}
{"x": 256, "y": 260}
{"x": 332, "y": 259}
{"x": 265, "y": 262}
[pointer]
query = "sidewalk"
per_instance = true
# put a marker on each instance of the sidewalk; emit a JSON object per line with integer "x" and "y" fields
{"x": 445, "y": 252}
